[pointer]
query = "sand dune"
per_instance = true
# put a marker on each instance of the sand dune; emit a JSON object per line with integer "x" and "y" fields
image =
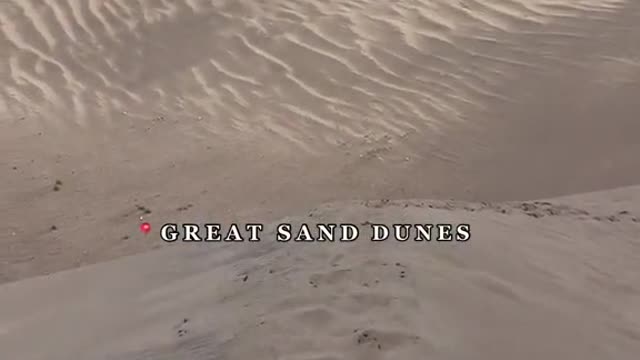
{"x": 113, "y": 112}
{"x": 164, "y": 104}
{"x": 544, "y": 279}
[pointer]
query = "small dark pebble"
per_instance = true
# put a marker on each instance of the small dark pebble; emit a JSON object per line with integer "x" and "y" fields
{"x": 144, "y": 209}
{"x": 54, "y": 228}
{"x": 245, "y": 278}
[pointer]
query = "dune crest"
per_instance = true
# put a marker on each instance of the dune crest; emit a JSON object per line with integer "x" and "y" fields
{"x": 535, "y": 280}
{"x": 119, "y": 112}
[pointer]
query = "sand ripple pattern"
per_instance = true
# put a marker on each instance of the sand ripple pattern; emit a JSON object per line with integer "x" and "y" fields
{"x": 308, "y": 72}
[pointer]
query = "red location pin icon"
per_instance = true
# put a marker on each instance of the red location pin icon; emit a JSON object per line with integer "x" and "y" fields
{"x": 145, "y": 228}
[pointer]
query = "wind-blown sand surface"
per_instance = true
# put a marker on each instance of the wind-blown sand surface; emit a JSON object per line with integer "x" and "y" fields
{"x": 540, "y": 280}
{"x": 219, "y": 111}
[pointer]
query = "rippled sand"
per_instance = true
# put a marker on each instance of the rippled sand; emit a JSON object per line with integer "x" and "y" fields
{"x": 113, "y": 112}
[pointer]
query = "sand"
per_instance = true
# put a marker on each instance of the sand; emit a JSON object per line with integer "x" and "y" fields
{"x": 118, "y": 112}
{"x": 528, "y": 285}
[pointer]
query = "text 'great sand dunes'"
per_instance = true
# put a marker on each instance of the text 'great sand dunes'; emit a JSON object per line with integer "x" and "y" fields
{"x": 286, "y": 232}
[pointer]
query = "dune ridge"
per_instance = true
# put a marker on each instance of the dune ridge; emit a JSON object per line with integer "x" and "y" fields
{"x": 516, "y": 116}
{"x": 524, "y": 286}
{"x": 161, "y": 104}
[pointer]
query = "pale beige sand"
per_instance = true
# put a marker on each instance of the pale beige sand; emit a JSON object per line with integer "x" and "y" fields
{"x": 528, "y": 285}
{"x": 249, "y": 110}
{"x": 219, "y": 111}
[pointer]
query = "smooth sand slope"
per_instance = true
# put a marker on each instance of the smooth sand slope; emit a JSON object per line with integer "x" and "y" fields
{"x": 113, "y": 112}
{"x": 539, "y": 280}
